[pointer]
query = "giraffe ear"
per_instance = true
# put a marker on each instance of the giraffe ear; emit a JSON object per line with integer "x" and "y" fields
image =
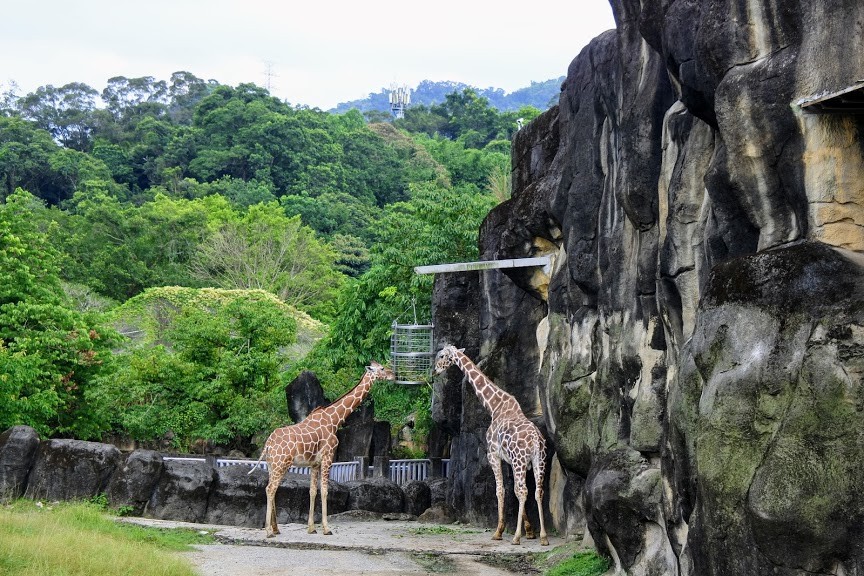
{"x": 461, "y": 350}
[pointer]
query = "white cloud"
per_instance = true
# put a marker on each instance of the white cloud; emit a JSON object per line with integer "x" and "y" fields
{"x": 320, "y": 53}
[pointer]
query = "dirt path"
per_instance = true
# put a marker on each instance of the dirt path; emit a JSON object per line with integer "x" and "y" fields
{"x": 369, "y": 548}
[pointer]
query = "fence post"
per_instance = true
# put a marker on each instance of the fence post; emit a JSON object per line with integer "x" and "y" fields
{"x": 362, "y": 467}
{"x": 381, "y": 467}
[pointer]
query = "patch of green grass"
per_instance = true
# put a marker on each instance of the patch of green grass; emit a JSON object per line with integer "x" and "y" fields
{"x": 580, "y": 564}
{"x": 434, "y": 563}
{"x": 515, "y": 563}
{"x": 436, "y": 529}
{"x": 80, "y": 539}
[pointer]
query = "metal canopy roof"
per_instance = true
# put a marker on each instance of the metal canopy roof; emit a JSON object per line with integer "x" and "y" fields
{"x": 849, "y": 100}
{"x": 483, "y": 265}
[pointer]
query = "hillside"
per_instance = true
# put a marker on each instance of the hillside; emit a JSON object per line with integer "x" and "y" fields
{"x": 540, "y": 95}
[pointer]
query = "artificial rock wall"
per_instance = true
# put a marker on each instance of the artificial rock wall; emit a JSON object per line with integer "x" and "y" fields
{"x": 695, "y": 352}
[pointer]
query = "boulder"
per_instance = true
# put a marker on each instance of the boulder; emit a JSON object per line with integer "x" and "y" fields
{"x": 18, "y": 447}
{"x": 182, "y": 491}
{"x": 418, "y": 497}
{"x": 440, "y": 513}
{"x": 238, "y": 498}
{"x": 376, "y": 495}
{"x": 134, "y": 480}
{"x": 304, "y": 394}
{"x": 71, "y": 470}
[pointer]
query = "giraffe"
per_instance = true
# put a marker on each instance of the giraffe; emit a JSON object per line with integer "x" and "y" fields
{"x": 312, "y": 442}
{"x": 511, "y": 437}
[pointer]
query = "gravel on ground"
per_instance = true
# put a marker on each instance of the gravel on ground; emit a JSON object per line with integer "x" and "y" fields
{"x": 369, "y": 548}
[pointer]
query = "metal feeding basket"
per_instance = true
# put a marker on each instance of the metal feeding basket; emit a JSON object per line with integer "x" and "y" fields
{"x": 411, "y": 353}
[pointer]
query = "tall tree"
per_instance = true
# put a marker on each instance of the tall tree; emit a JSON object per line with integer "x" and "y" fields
{"x": 65, "y": 112}
{"x": 125, "y": 96}
{"x": 267, "y": 250}
{"x": 25, "y": 154}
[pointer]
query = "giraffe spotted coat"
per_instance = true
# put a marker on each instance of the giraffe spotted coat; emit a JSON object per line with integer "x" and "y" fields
{"x": 510, "y": 438}
{"x": 312, "y": 442}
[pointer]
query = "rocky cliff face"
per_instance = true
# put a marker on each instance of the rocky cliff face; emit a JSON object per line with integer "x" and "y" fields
{"x": 695, "y": 352}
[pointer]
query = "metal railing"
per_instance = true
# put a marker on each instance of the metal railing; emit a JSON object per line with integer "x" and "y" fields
{"x": 339, "y": 471}
{"x": 404, "y": 471}
{"x": 401, "y": 471}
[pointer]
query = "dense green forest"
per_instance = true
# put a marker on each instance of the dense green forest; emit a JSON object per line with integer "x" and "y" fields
{"x": 173, "y": 253}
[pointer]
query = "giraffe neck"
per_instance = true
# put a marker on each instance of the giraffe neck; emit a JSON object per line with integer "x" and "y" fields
{"x": 340, "y": 409}
{"x": 490, "y": 395}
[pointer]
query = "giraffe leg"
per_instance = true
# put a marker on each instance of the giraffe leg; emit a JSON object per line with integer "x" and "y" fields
{"x": 495, "y": 462}
{"x": 539, "y": 473}
{"x": 521, "y": 491}
{"x": 313, "y": 490}
{"x": 276, "y": 474}
{"x": 529, "y": 529}
{"x": 324, "y": 482}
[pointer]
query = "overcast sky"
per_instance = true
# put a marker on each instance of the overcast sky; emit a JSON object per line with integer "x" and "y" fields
{"x": 317, "y": 53}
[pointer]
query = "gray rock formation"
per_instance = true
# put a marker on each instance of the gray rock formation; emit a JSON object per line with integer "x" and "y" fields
{"x": 18, "y": 447}
{"x": 377, "y": 495}
{"x": 182, "y": 491}
{"x": 134, "y": 480}
{"x": 418, "y": 497}
{"x": 696, "y": 349}
{"x": 71, "y": 470}
{"x": 303, "y": 395}
{"x": 190, "y": 489}
{"x": 237, "y": 498}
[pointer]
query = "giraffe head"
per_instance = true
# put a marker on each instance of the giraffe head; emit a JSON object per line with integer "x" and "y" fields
{"x": 446, "y": 358}
{"x": 379, "y": 372}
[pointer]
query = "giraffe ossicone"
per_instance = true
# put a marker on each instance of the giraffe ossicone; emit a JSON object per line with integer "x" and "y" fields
{"x": 511, "y": 437}
{"x": 312, "y": 442}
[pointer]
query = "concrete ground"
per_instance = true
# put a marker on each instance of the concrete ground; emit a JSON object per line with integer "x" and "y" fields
{"x": 376, "y": 547}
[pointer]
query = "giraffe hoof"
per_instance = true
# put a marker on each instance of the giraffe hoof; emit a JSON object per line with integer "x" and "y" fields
{"x": 544, "y": 541}
{"x": 311, "y": 531}
{"x": 496, "y": 537}
{"x": 327, "y": 533}
{"x": 517, "y": 541}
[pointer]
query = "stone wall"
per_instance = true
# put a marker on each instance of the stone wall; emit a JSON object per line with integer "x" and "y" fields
{"x": 695, "y": 353}
{"x": 143, "y": 483}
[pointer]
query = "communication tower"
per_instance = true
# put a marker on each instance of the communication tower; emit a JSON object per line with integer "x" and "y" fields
{"x": 400, "y": 97}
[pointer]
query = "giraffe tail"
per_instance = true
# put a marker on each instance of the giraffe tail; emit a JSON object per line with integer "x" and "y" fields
{"x": 260, "y": 458}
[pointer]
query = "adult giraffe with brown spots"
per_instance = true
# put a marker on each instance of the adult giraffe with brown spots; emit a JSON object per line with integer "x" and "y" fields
{"x": 510, "y": 437}
{"x": 312, "y": 442}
